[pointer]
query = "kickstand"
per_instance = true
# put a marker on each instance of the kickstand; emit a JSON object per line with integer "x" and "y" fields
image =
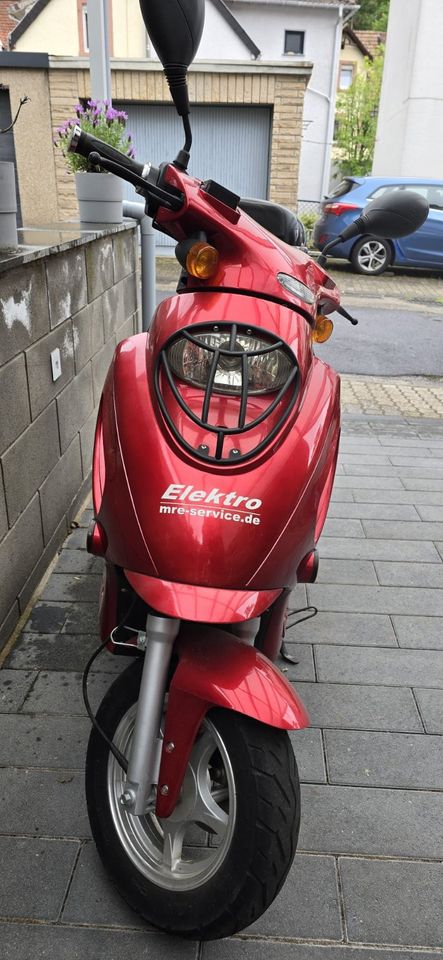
{"x": 285, "y": 655}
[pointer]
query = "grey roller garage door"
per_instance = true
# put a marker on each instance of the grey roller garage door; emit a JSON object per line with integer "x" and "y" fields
{"x": 230, "y": 144}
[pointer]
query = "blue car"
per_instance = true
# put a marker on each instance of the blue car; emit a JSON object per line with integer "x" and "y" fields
{"x": 373, "y": 255}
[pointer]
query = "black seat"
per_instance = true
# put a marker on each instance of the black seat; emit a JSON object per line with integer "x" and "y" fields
{"x": 278, "y": 220}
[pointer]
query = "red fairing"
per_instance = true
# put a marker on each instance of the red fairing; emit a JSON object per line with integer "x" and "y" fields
{"x": 242, "y": 527}
{"x": 216, "y": 670}
{"x": 169, "y": 516}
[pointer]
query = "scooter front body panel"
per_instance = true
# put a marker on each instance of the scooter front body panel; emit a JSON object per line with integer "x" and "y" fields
{"x": 169, "y": 516}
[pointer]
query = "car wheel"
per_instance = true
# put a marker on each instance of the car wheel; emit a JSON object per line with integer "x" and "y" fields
{"x": 371, "y": 256}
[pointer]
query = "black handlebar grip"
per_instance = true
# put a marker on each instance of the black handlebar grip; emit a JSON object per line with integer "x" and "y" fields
{"x": 85, "y": 144}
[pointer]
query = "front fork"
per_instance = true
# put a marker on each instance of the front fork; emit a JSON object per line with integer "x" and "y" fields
{"x": 144, "y": 761}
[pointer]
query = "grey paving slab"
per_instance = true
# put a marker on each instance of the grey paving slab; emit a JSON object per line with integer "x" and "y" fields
{"x": 93, "y": 899}
{"x": 49, "y": 616}
{"x": 411, "y": 482}
{"x": 416, "y": 448}
{"x": 341, "y": 496}
{"x": 409, "y": 760}
{"x": 61, "y": 651}
{"x": 431, "y": 513}
{"x": 48, "y": 803}
{"x": 353, "y": 549}
{"x": 375, "y": 511}
{"x": 38, "y": 741}
{"x": 57, "y": 692}
{"x": 78, "y": 561}
{"x": 343, "y": 528}
{"x": 76, "y": 540}
{"x": 432, "y": 471}
{"x": 369, "y": 459}
{"x": 245, "y": 949}
{"x": 430, "y": 703}
{"x": 374, "y": 483}
{"x": 14, "y": 685}
{"x": 360, "y": 707}
{"x": 364, "y": 820}
{"x": 407, "y": 442}
{"x": 362, "y": 599}
{"x": 311, "y": 880}
{"x": 440, "y": 548}
{"x": 71, "y": 587}
{"x": 398, "y": 496}
{"x": 398, "y": 668}
{"x": 409, "y": 574}
{"x": 34, "y": 876}
{"x": 27, "y": 941}
{"x": 393, "y": 902}
{"x": 308, "y": 749}
{"x": 356, "y": 629}
{"x": 434, "y": 463}
{"x": 403, "y": 530}
{"x": 347, "y": 571}
{"x": 419, "y": 632}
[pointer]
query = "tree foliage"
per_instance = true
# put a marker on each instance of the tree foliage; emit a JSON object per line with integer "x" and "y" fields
{"x": 373, "y": 15}
{"x": 357, "y": 111}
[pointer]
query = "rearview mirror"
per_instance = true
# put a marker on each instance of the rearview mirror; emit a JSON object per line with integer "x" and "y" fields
{"x": 175, "y": 28}
{"x": 396, "y": 214}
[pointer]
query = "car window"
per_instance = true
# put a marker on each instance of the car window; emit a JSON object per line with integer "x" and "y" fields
{"x": 381, "y": 190}
{"x": 345, "y": 186}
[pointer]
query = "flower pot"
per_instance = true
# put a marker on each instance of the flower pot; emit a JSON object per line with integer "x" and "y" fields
{"x": 8, "y": 207}
{"x": 100, "y": 197}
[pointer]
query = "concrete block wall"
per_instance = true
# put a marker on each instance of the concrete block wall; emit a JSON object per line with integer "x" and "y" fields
{"x": 83, "y": 300}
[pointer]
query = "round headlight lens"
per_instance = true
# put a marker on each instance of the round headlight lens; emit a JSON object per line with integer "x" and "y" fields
{"x": 192, "y": 363}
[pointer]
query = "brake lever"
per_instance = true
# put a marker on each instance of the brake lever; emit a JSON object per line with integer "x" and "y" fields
{"x": 344, "y": 313}
{"x": 141, "y": 185}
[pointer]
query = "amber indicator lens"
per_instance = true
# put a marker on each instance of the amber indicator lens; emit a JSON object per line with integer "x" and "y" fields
{"x": 202, "y": 260}
{"x": 322, "y": 329}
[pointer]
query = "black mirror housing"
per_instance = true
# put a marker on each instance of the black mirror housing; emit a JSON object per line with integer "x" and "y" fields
{"x": 175, "y": 28}
{"x": 396, "y": 214}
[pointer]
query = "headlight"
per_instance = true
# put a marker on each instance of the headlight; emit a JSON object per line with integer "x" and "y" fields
{"x": 267, "y": 368}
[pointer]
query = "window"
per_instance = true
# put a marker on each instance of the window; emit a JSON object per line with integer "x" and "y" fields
{"x": 294, "y": 41}
{"x": 85, "y": 28}
{"x": 346, "y": 76}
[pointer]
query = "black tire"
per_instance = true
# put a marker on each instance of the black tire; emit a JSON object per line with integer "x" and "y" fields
{"x": 371, "y": 256}
{"x": 264, "y": 827}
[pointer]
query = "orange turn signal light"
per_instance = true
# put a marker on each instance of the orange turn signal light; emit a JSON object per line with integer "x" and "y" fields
{"x": 202, "y": 260}
{"x": 322, "y": 329}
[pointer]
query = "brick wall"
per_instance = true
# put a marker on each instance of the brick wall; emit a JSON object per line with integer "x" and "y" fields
{"x": 284, "y": 92}
{"x": 83, "y": 301}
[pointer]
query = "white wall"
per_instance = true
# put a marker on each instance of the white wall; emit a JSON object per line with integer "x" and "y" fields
{"x": 266, "y": 25}
{"x": 410, "y": 124}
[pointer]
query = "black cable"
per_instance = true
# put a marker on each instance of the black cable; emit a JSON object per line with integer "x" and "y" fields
{"x": 302, "y": 619}
{"x": 114, "y": 750}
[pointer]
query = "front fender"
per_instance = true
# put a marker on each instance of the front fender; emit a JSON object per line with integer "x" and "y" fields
{"x": 215, "y": 669}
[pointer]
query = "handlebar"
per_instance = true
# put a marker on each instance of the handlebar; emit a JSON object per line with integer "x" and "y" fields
{"x": 85, "y": 144}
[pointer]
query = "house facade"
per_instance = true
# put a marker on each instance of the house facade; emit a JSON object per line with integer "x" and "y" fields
{"x": 263, "y": 87}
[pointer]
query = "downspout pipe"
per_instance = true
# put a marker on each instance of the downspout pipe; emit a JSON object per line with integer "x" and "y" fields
{"x": 147, "y": 237}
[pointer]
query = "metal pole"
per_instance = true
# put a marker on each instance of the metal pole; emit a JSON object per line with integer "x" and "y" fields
{"x": 99, "y": 67}
{"x": 147, "y": 233}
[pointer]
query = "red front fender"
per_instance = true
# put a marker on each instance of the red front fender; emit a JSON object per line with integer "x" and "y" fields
{"x": 215, "y": 669}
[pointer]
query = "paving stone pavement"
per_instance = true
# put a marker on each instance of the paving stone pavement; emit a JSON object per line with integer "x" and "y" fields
{"x": 367, "y": 882}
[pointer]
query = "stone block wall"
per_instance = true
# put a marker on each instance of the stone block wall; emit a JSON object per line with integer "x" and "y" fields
{"x": 82, "y": 300}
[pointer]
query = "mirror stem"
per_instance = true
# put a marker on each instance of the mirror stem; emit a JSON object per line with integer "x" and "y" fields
{"x": 182, "y": 159}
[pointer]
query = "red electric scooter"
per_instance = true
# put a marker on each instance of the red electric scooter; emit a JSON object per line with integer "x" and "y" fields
{"x": 214, "y": 459}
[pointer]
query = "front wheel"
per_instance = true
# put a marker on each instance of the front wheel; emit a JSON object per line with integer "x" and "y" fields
{"x": 216, "y": 864}
{"x": 371, "y": 256}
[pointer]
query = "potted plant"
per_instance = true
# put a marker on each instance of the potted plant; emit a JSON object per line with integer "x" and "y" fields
{"x": 99, "y": 194}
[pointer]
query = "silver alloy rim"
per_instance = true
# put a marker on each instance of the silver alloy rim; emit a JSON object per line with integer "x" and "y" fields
{"x": 183, "y": 851}
{"x": 371, "y": 256}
